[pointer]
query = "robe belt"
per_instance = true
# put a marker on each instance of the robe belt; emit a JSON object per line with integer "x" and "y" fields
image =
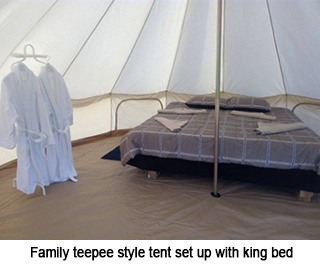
{"x": 40, "y": 136}
{"x": 37, "y": 137}
{"x": 65, "y": 132}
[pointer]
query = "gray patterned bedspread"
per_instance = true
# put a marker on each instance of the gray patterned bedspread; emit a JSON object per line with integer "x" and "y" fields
{"x": 239, "y": 144}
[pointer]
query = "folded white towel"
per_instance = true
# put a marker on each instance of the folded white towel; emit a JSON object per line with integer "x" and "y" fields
{"x": 173, "y": 125}
{"x": 182, "y": 111}
{"x": 272, "y": 128}
{"x": 253, "y": 115}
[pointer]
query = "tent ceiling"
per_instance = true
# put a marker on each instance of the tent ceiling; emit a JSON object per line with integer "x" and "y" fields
{"x": 146, "y": 46}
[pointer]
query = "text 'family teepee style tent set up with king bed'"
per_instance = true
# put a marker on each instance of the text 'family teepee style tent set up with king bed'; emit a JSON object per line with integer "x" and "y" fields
{"x": 113, "y": 51}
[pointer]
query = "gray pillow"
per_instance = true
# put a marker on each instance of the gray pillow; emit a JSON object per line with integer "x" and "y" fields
{"x": 205, "y": 101}
{"x": 249, "y": 104}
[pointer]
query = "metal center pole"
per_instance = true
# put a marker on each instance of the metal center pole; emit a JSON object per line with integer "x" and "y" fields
{"x": 215, "y": 192}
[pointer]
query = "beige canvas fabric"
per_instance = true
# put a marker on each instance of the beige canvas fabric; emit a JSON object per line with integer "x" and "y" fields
{"x": 254, "y": 115}
{"x": 273, "y": 128}
{"x": 172, "y": 125}
{"x": 115, "y": 202}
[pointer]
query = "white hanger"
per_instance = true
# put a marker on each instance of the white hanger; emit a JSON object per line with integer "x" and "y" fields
{"x": 25, "y": 55}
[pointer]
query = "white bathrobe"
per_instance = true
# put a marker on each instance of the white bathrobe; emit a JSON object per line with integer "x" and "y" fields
{"x": 59, "y": 157}
{"x": 24, "y": 123}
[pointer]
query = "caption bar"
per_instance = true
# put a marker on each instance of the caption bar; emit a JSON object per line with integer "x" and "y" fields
{"x": 155, "y": 253}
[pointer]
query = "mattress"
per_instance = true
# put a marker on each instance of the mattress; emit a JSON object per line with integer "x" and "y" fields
{"x": 239, "y": 144}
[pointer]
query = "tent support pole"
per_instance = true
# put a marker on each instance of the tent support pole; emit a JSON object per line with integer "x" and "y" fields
{"x": 215, "y": 192}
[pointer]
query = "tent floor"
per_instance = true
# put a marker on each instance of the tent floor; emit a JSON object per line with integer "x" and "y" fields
{"x": 115, "y": 202}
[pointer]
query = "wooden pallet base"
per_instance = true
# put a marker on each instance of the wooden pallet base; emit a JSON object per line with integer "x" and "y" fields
{"x": 153, "y": 175}
{"x": 302, "y": 195}
{"x": 305, "y": 196}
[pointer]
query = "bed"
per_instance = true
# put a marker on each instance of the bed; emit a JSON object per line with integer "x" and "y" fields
{"x": 289, "y": 159}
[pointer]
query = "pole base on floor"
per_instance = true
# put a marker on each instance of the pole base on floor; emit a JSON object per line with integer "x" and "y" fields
{"x": 216, "y": 195}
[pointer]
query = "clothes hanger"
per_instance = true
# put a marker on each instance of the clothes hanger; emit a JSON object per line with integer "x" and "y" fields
{"x": 26, "y": 55}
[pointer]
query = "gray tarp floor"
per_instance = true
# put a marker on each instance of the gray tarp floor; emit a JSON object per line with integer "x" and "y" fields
{"x": 115, "y": 202}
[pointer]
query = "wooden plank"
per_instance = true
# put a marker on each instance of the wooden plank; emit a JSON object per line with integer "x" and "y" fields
{"x": 305, "y": 196}
{"x": 153, "y": 175}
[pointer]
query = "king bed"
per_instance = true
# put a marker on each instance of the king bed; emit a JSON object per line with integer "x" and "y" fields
{"x": 288, "y": 159}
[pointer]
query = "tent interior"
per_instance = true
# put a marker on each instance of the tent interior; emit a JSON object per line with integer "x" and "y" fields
{"x": 112, "y": 50}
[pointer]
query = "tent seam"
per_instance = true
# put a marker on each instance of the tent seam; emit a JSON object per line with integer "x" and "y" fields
{"x": 88, "y": 38}
{"x": 134, "y": 45}
{"x": 30, "y": 31}
{"x": 178, "y": 45}
{"x": 277, "y": 51}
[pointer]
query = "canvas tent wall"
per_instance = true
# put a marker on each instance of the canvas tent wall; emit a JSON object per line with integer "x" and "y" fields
{"x": 108, "y": 50}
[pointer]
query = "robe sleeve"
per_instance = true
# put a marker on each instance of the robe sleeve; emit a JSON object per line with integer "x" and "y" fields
{"x": 8, "y": 118}
{"x": 68, "y": 102}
